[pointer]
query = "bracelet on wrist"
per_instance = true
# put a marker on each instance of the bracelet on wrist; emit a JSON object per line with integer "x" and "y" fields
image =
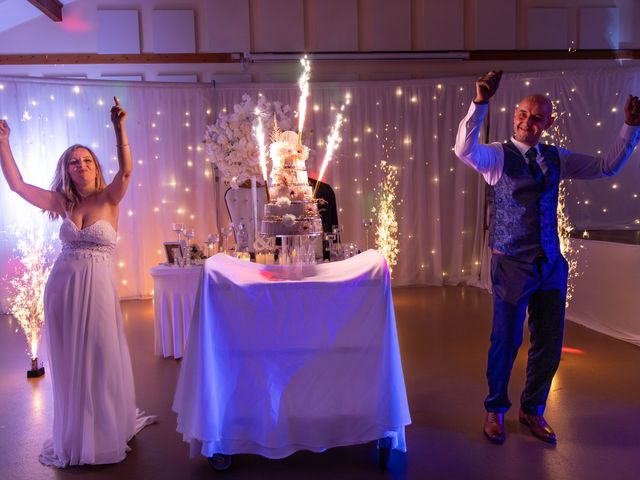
{"x": 122, "y": 145}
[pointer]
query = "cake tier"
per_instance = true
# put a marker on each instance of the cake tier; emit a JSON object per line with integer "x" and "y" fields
{"x": 292, "y": 192}
{"x": 283, "y": 152}
{"x": 289, "y": 176}
{"x": 301, "y": 226}
{"x": 297, "y": 209}
{"x": 289, "y": 162}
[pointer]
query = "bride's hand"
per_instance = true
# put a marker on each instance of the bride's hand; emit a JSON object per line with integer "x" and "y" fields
{"x": 4, "y": 131}
{"x": 118, "y": 114}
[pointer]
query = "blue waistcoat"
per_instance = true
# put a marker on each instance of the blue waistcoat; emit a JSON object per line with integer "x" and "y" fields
{"x": 523, "y": 220}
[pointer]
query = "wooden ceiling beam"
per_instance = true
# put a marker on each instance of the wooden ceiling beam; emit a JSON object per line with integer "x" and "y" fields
{"x": 158, "y": 58}
{"x": 571, "y": 54}
{"x": 95, "y": 58}
{"x": 51, "y": 8}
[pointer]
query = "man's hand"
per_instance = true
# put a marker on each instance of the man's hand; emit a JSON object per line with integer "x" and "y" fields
{"x": 4, "y": 131}
{"x": 632, "y": 111}
{"x": 487, "y": 85}
{"x": 118, "y": 114}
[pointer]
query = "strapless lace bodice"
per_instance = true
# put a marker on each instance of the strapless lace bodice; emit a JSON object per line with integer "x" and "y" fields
{"x": 96, "y": 240}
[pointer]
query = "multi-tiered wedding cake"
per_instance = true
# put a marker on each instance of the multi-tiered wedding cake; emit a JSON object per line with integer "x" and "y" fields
{"x": 292, "y": 209}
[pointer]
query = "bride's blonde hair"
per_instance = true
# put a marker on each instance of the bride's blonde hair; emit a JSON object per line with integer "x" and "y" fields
{"x": 63, "y": 184}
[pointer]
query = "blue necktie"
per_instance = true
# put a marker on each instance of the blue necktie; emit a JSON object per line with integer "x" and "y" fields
{"x": 536, "y": 171}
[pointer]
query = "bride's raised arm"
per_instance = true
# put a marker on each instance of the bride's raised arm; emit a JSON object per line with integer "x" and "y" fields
{"x": 44, "y": 199}
{"x": 118, "y": 187}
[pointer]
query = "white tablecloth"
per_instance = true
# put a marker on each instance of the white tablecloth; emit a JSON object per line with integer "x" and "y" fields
{"x": 174, "y": 296}
{"x": 281, "y": 359}
{"x": 606, "y": 296}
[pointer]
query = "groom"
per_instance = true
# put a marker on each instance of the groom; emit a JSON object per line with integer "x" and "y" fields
{"x": 527, "y": 268}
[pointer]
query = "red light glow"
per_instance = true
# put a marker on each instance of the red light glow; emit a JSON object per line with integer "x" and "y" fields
{"x": 575, "y": 351}
{"x": 73, "y": 22}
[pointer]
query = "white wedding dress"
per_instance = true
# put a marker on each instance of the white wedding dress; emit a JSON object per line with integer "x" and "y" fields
{"x": 93, "y": 392}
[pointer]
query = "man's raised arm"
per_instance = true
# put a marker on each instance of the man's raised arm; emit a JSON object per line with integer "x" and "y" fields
{"x": 486, "y": 159}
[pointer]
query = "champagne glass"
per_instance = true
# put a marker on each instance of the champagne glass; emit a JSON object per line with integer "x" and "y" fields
{"x": 178, "y": 228}
{"x": 242, "y": 237}
{"x": 331, "y": 246}
{"x": 176, "y": 256}
{"x": 226, "y": 235}
{"x": 189, "y": 233}
{"x": 212, "y": 239}
{"x": 337, "y": 230}
{"x": 367, "y": 223}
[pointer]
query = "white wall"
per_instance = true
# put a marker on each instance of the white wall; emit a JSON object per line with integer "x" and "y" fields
{"x": 202, "y": 26}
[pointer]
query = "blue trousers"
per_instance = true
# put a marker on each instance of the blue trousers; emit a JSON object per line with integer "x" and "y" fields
{"x": 540, "y": 286}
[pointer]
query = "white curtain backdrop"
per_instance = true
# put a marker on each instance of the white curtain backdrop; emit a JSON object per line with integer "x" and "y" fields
{"x": 165, "y": 126}
{"x": 411, "y": 124}
{"x": 408, "y": 124}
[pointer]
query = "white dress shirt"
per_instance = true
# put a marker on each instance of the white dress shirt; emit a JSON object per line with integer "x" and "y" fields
{"x": 489, "y": 159}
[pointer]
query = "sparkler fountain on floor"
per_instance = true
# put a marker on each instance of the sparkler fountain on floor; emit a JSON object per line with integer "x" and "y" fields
{"x": 387, "y": 223}
{"x": 557, "y": 137}
{"x": 33, "y": 254}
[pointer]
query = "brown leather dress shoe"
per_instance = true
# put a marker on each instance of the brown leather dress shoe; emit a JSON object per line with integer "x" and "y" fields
{"x": 494, "y": 427}
{"x": 538, "y": 426}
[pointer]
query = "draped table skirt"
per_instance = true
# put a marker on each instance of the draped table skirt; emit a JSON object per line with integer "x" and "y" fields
{"x": 174, "y": 296}
{"x": 281, "y": 359}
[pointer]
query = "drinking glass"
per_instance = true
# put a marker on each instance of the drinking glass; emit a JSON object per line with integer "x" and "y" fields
{"x": 337, "y": 231}
{"x": 242, "y": 237}
{"x": 189, "y": 233}
{"x": 178, "y": 228}
{"x": 367, "y": 223}
{"x": 329, "y": 239}
{"x": 212, "y": 239}
{"x": 176, "y": 256}
{"x": 227, "y": 232}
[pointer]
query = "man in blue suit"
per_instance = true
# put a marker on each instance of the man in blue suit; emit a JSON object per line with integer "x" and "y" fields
{"x": 527, "y": 268}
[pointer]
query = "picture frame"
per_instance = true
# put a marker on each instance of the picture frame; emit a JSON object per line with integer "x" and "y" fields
{"x": 169, "y": 248}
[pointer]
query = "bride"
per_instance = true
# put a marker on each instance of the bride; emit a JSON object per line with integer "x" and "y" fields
{"x": 93, "y": 392}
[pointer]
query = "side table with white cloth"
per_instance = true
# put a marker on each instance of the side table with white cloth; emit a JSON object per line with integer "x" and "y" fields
{"x": 288, "y": 358}
{"x": 605, "y": 296}
{"x": 174, "y": 296}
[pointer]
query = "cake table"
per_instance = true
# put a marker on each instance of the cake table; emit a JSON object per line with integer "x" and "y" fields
{"x": 287, "y": 358}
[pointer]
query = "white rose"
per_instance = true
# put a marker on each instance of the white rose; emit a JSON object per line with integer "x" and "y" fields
{"x": 288, "y": 220}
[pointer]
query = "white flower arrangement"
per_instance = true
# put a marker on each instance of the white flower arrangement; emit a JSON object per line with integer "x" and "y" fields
{"x": 283, "y": 201}
{"x": 231, "y": 143}
{"x": 288, "y": 220}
